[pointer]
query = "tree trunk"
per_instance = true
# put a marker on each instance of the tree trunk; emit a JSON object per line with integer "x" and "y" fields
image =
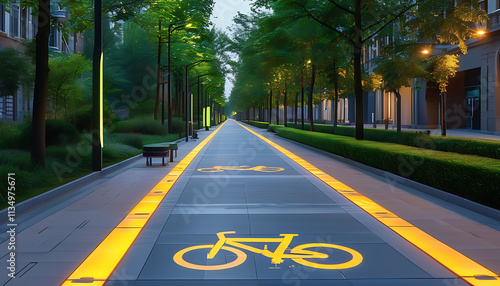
{"x": 296, "y": 107}
{"x": 443, "y": 113}
{"x": 270, "y": 111}
{"x": 336, "y": 98}
{"x": 310, "y": 102}
{"x": 285, "y": 108}
{"x": 358, "y": 86}
{"x": 302, "y": 99}
{"x": 278, "y": 108}
{"x": 41, "y": 84}
{"x": 158, "y": 74}
{"x": 398, "y": 110}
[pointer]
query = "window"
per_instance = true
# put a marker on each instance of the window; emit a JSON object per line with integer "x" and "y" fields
{"x": 2, "y": 18}
{"x": 483, "y": 4}
{"x": 14, "y": 21}
{"x": 34, "y": 21}
{"x": 53, "y": 37}
{"x": 24, "y": 23}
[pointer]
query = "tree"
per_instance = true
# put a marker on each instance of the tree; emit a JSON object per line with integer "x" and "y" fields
{"x": 41, "y": 83}
{"x": 359, "y": 21}
{"x": 398, "y": 66}
{"x": 15, "y": 71}
{"x": 81, "y": 12}
{"x": 65, "y": 82}
{"x": 444, "y": 68}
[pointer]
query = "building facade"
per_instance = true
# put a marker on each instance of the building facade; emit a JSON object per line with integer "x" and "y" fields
{"x": 17, "y": 25}
{"x": 473, "y": 95}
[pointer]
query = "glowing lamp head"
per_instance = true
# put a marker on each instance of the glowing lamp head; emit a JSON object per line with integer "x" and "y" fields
{"x": 425, "y": 52}
{"x": 481, "y": 32}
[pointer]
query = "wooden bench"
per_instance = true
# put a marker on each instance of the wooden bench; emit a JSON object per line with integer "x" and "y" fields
{"x": 160, "y": 150}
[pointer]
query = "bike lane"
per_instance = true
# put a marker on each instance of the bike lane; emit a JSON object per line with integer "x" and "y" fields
{"x": 238, "y": 183}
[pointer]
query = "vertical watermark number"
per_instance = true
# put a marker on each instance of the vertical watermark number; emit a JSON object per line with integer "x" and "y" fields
{"x": 11, "y": 232}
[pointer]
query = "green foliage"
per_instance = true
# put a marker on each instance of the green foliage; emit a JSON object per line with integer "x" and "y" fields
{"x": 143, "y": 109}
{"x": 258, "y": 124}
{"x": 474, "y": 178}
{"x": 133, "y": 140}
{"x": 147, "y": 125}
{"x": 16, "y": 70}
{"x": 444, "y": 68}
{"x": 113, "y": 152}
{"x": 65, "y": 90}
{"x": 141, "y": 125}
{"x": 57, "y": 132}
{"x": 10, "y": 135}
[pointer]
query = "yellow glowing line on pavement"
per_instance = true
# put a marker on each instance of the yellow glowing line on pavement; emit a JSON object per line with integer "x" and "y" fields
{"x": 98, "y": 266}
{"x": 464, "y": 267}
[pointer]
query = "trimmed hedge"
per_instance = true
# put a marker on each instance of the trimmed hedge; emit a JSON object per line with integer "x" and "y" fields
{"x": 478, "y": 147}
{"x": 471, "y": 177}
{"x": 257, "y": 124}
{"x": 146, "y": 125}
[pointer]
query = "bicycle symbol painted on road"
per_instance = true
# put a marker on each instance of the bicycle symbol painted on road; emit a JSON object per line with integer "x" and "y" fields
{"x": 241, "y": 168}
{"x": 300, "y": 254}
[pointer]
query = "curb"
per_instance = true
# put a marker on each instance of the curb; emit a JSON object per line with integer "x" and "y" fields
{"x": 396, "y": 179}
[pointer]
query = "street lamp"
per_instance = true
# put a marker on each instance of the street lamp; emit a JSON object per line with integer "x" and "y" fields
{"x": 198, "y": 100}
{"x": 192, "y": 65}
{"x": 97, "y": 95}
{"x": 206, "y": 116}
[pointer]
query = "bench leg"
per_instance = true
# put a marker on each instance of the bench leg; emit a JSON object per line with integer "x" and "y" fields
{"x": 171, "y": 157}
{"x": 163, "y": 161}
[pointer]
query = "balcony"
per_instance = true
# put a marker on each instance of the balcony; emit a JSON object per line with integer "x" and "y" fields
{"x": 494, "y": 21}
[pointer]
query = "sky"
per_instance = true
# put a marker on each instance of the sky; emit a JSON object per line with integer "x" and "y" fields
{"x": 222, "y": 17}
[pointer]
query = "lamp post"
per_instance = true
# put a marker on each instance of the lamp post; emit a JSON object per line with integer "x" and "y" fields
{"x": 206, "y": 118}
{"x": 191, "y": 65}
{"x": 97, "y": 96}
{"x": 198, "y": 104}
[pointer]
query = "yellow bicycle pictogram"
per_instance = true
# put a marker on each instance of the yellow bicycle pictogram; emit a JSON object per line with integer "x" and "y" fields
{"x": 300, "y": 254}
{"x": 241, "y": 168}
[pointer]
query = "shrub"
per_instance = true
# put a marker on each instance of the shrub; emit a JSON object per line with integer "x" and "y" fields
{"x": 143, "y": 125}
{"x": 178, "y": 125}
{"x": 10, "y": 135}
{"x": 144, "y": 108}
{"x": 478, "y": 147}
{"x": 57, "y": 132}
{"x": 257, "y": 124}
{"x": 147, "y": 125}
{"x": 16, "y": 158}
{"x": 471, "y": 177}
{"x": 133, "y": 140}
{"x": 118, "y": 151}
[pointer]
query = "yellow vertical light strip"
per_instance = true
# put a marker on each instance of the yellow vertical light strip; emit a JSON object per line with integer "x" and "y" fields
{"x": 464, "y": 267}
{"x": 101, "y": 104}
{"x": 98, "y": 266}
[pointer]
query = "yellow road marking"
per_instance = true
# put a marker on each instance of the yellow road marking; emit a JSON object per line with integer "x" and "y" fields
{"x": 98, "y": 266}
{"x": 464, "y": 267}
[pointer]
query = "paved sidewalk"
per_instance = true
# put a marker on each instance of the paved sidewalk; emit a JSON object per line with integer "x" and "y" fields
{"x": 267, "y": 195}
